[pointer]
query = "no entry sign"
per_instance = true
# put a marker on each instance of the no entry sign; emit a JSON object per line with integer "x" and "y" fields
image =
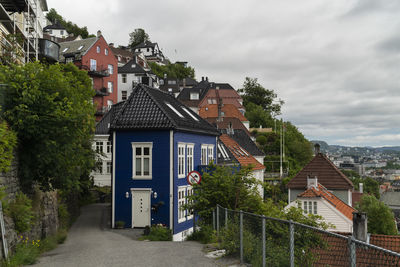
{"x": 193, "y": 177}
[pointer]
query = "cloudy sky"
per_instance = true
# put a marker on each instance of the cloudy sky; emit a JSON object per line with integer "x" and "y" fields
{"x": 334, "y": 63}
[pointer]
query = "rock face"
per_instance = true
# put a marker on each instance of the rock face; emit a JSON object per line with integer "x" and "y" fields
{"x": 45, "y": 205}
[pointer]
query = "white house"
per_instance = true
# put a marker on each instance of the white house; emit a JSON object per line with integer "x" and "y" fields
{"x": 56, "y": 30}
{"x": 318, "y": 200}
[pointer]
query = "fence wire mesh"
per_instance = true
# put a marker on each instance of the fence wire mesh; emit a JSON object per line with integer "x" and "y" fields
{"x": 264, "y": 241}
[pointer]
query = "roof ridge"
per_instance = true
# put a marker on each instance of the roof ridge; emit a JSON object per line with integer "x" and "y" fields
{"x": 337, "y": 170}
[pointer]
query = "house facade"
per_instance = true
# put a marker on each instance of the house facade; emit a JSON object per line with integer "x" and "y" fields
{"x": 157, "y": 141}
{"x": 151, "y": 51}
{"x": 95, "y": 56}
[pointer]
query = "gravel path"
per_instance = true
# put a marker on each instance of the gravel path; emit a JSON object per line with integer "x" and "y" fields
{"x": 91, "y": 243}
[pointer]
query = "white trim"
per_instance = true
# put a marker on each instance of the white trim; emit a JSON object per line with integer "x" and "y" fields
{"x": 140, "y": 189}
{"x": 289, "y": 196}
{"x": 171, "y": 180}
{"x": 183, "y": 190}
{"x": 189, "y": 146}
{"x": 113, "y": 182}
{"x": 183, "y": 147}
{"x": 134, "y": 146}
{"x": 181, "y": 236}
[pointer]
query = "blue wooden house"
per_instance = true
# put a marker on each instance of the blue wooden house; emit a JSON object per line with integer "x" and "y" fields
{"x": 157, "y": 141}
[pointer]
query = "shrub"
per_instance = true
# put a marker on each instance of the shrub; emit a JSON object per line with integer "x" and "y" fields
{"x": 204, "y": 235}
{"x": 21, "y": 212}
{"x": 63, "y": 216}
{"x": 159, "y": 233}
{"x": 261, "y": 139}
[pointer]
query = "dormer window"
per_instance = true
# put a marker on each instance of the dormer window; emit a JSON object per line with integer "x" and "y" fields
{"x": 65, "y": 50}
{"x": 194, "y": 96}
{"x": 79, "y": 48}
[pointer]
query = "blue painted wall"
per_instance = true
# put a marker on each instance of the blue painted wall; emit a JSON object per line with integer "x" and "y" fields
{"x": 160, "y": 182}
{"x": 197, "y": 140}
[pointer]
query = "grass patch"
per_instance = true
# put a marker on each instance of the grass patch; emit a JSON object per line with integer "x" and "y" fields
{"x": 158, "y": 233}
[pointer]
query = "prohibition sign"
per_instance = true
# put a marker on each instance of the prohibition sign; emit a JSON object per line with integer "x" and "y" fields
{"x": 193, "y": 177}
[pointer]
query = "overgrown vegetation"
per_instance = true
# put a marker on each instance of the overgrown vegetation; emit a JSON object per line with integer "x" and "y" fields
{"x": 137, "y": 36}
{"x": 158, "y": 233}
{"x": 50, "y": 109}
{"x": 22, "y": 213}
{"x": 172, "y": 70}
{"x": 8, "y": 141}
{"x": 71, "y": 27}
{"x": 370, "y": 185}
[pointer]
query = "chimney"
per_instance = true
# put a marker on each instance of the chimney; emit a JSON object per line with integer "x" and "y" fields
{"x": 361, "y": 188}
{"x": 317, "y": 149}
{"x": 98, "y": 34}
{"x": 360, "y": 226}
{"x": 111, "y": 44}
{"x": 312, "y": 182}
{"x": 207, "y": 79}
{"x": 202, "y": 78}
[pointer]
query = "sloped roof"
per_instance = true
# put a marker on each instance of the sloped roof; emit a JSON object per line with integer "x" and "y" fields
{"x": 102, "y": 127}
{"x": 225, "y": 122}
{"x": 211, "y": 111}
{"x": 243, "y": 139}
{"x": 322, "y": 192}
{"x": 150, "y": 108}
{"x": 188, "y": 82}
{"x": 55, "y": 26}
{"x": 241, "y": 155}
{"x": 120, "y": 51}
{"x": 224, "y": 155}
{"x": 145, "y": 44}
{"x": 326, "y": 172}
{"x": 73, "y": 48}
{"x": 131, "y": 67}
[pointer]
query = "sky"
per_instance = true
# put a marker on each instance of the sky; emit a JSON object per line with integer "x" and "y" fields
{"x": 334, "y": 63}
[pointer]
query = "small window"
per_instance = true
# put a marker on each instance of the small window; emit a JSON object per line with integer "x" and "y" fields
{"x": 171, "y": 82}
{"x": 315, "y": 207}
{"x": 124, "y": 95}
{"x": 123, "y": 78}
{"x": 109, "y": 104}
{"x": 299, "y": 204}
{"x": 106, "y": 52}
{"x": 62, "y": 32}
{"x": 99, "y": 167}
{"x": 148, "y": 49}
{"x": 194, "y": 96}
{"x": 310, "y": 207}
{"x": 69, "y": 60}
{"x": 189, "y": 157}
{"x": 109, "y": 146}
{"x": 161, "y": 82}
{"x": 170, "y": 90}
{"x": 65, "y": 49}
{"x": 210, "y": 153}
{"x": 142, "y": 160}
{"x": 204, "y": 155}
{"x": 79, "y": 48}
{"x": 110, "y": 69}
{"x": 110, "y": 86}
{"x": 181, "y": 202}
{"x": 181, "y": 160}
{"x": 305, "y": 207}
{"x": 99, "y": 147}
{"x": 51, "y": 31}
{"x": 189, "y": 192}
{"x": 177, "y": 112}
{"x": 109, "y": 167}
{"x": 93, "y": 64}
{"x": 98, "y": 49}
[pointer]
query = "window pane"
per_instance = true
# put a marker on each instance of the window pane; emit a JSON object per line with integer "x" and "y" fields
{"x": 146, "y": 151}
{"x": 310, "y": 207}
{"x": 146, "y": 166}
{"x": 138, "y": 166}
{"x": 138, "y": 151}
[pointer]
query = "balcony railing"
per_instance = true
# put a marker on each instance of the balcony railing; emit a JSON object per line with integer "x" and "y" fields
{"x": 99, "y": 71}
{"x": 103, "y": 91}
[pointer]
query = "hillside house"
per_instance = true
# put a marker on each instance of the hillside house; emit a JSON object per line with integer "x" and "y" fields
{"x": 95, "y": 56}
{"x": 157, "y": 141}
{"x": 151, "y": 51}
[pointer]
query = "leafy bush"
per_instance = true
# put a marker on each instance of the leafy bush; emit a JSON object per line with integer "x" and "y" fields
{"x": 159, "y": 233}
{"x": 204, "y": 235}
{"x": 261, "y": 139}
{"x": 21, "y": 212}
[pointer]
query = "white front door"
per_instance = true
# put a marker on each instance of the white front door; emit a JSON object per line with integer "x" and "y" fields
{"x": 140, "y": 207}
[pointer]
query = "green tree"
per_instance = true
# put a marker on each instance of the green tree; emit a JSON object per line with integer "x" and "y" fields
{"x": 370, "y": 186}
{"x": 137, "y": 36}
{"x": 253, "y": 92}
{"x": 380, "y": 217}
{"x": 175, "y": 70}
{"x": 8, "y": 141}
{"x": 69, "y": 26}
{"x": 50, "y": 108}
{"x": 11, "y": 49}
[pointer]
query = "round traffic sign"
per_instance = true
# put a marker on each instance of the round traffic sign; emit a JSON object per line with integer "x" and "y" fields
{"x": 193, "y": 177}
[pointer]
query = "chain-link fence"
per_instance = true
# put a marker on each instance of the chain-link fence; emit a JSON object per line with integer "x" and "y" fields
{"x": 264, "y": 241}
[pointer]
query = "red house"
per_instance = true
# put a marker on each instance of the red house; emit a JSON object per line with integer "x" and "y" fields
{"x": 95, "y": 56}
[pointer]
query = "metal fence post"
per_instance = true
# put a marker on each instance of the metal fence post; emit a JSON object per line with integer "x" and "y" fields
{"x": 241, "y": 236}
{"x": 3, "y": 232}
{"x": 291, "y": 230}
{"x": 352, "y": 251}
{"x": 213, "y": 219}
{"x": 217, "y": 219}
{"x": 263, "y": 242}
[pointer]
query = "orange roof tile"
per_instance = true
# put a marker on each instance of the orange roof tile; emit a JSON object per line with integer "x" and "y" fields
{"x": 211, "y": 111}
{"x": 240, "y": 154}
{"x": 321, "y": 191}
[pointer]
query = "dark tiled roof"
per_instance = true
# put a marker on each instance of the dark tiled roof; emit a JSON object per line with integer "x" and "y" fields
{"x": 145, "y": 44}
{"x": 225, "y": 157}
{"x": 102, "y": 127}
{"x": 56, "y": 26}
{"x": 146, "y": 108}
{"x": 131, "y": 67}
{"x": 188, "y": 82}
{"x": 327, "y": 173}
{"x": 243, "y": 139}
{"x": 120, "y": 51}
{"x": 73, "y": 48}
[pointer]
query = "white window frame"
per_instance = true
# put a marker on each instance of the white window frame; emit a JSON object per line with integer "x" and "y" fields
{"x": 210, "y": 154}
{"x": 109, "y": 104}
{"x": 110, "y": 87}
{"x": 110, "y": 69}
{"x": 189, "y": 157}
{"x": 142, "y": 145}
{"x": 123, "y": 77}
{"x": 98, "y": 49}
{"x": 124, "y": 95}
{"x": 181, "y": 160}
{"x": 106, "y": 51}
{"x": 108, "y": 167}
{"x": 99, "y": 146}
{"x": 204, "y": 155}
{"x": 108, "y": 147}
{"x": 189, "y": 192}
{"x": 194, "y": 96}
{"x": 93, "y": 64}
{"x": 181, "y": 195}
{"x": 69, "y": 60}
